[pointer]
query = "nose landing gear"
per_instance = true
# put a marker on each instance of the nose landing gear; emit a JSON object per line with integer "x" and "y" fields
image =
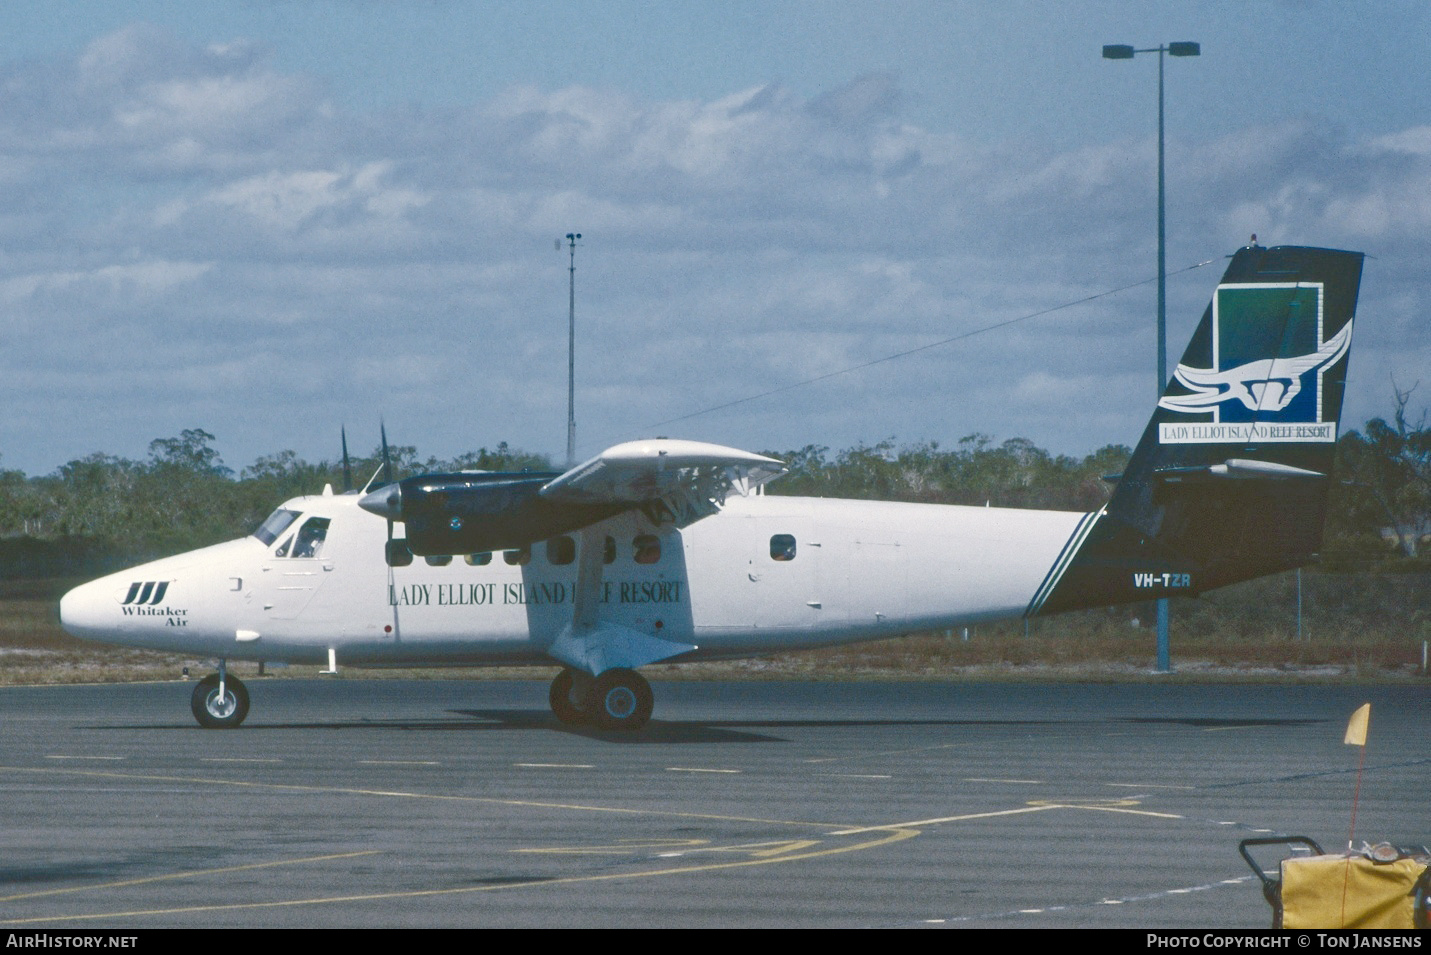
{"x": 220, "y": 701}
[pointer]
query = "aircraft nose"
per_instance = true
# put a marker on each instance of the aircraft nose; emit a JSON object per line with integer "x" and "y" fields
{"x": 88, "y": 610}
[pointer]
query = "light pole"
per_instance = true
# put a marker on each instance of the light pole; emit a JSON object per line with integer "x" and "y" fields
{"x": 571, "y": 238}
{"x": 1119, "y": 51}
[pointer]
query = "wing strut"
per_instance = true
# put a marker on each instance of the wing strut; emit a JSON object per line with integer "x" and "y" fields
{"x": 591, "y": 644}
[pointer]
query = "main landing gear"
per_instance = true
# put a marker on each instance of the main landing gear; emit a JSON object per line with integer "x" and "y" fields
{"x": 218, "y": 710}
{"x": 618, "y": 699}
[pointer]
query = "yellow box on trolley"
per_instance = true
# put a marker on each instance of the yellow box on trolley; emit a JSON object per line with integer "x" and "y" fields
{"x": 1377, "y": 887}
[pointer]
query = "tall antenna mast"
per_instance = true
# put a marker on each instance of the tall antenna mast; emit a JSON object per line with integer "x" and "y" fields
{"x": 571, "y": 238}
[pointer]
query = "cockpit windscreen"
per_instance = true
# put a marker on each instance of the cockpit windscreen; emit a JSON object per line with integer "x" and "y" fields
{"x": 278, "y": 522}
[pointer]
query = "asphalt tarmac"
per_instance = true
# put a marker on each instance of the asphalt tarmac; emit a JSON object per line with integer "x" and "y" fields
{"x": 380, "y": 803}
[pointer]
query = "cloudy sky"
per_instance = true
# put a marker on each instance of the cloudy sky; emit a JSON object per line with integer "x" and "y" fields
{"x": 272, "y": 219}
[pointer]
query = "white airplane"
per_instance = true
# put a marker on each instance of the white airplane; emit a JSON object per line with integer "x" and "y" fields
{"x": 667, "y": 550}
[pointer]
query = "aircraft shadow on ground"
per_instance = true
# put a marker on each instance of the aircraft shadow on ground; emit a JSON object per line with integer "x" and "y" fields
{"x": 657, "y": 731}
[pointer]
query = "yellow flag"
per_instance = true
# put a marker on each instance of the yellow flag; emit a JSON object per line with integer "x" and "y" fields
{"x": 1356, "y": 727}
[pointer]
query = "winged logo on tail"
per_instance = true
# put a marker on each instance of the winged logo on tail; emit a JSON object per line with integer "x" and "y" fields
{"x": 1267, "y": 385}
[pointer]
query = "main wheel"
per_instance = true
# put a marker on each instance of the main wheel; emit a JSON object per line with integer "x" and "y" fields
{"x": 621, "y": 700}
{"x": 219, "y": 712}
{"x": 562, "y": 698}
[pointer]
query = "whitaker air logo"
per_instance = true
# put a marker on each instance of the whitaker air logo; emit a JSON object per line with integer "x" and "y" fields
{"x": 146, "y": 593}
{"x": 144, "y": 598}
{"x": 1264, "y": 380}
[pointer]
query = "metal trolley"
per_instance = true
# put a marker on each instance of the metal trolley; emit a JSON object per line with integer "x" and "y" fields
{"x": 1379, "y": 886}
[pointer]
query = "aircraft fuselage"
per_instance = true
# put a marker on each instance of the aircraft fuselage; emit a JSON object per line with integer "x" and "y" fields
{"x": 767, "y": 573}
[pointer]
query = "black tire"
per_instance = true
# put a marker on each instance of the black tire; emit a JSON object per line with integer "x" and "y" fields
{"x": 214, "y": 713}
{"x": 566, "y": 709}
{"x": 621, "y": 700}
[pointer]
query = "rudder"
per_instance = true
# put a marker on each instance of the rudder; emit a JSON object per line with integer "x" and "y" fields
{"x": 1231, "y": 476}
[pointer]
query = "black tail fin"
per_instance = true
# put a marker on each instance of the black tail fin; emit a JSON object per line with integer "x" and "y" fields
{"x": 1230, "y": 479}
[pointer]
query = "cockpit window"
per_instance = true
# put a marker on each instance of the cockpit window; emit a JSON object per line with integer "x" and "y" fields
{"x": 311, "y": 537}
{"x": 277, "y": 523}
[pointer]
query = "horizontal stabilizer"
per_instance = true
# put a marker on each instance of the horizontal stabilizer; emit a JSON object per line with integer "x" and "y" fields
{"x": 1237, "y": 469}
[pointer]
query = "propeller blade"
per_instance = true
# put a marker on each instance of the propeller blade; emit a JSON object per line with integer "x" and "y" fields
{"x": 347, "y": 464}
{"x": 388, "y": 476}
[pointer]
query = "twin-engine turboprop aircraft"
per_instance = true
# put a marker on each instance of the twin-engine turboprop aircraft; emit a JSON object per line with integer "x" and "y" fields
{"x": 666, "y": 550}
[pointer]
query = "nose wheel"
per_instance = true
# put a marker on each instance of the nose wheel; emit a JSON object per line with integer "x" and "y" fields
{"x": 215, "y": 710}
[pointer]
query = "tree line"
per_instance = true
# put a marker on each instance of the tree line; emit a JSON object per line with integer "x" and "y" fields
{"x": 103, "y": 508}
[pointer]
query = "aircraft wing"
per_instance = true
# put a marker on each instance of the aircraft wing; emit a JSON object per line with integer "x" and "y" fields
{"x": 672, "y": 482}
{"x": 682, "y": 481}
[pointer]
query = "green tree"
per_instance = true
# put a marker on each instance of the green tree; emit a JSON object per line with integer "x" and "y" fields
{"x": 1386, "y": 474}
{"x": 190, "y": 451}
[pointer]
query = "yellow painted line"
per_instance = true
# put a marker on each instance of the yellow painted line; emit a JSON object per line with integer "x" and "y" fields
{"x": 111, "y": 758}
{"x": 188, "y": 875}
{"x": 756, "y": 849}
{"x": 1130, "y": 812}
{"x": 1120, "y": 805}
{"x": 795, "y": 845}
{"x": 436, "y": 797}
{"x": 884, "y": 752}
{"x": 892, "y": 837}
{"x": 1038, "y": 806}
{"x": 1147, "y": 786}
{"x": 623, "y": 847}
{"x": 935, "y": 822}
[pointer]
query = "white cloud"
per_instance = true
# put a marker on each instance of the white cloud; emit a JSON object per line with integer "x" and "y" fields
{"x": 198, "y": 206}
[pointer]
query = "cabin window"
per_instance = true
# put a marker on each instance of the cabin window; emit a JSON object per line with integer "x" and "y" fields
{"x": 561, "y": 550}
{"x": 647, "y": 548}
{"x": 782, "y": 547}
{"x": 438, "y": 560}
{"x": 608, "y": 550}
{"x": 278, "y": 522}
{"x": 479, "y": 560}
{"x": 520, "y": 557}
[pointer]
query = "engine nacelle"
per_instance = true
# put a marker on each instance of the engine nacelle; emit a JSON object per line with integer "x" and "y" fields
{"x": 469, "y": 513}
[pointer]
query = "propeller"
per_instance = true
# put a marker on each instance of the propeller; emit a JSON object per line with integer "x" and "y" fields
{"x": 399, "y": 556}
{"x": 387, "y": 455}
{"x": 347, "y": 464}
{"x": 387, "y": 501}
